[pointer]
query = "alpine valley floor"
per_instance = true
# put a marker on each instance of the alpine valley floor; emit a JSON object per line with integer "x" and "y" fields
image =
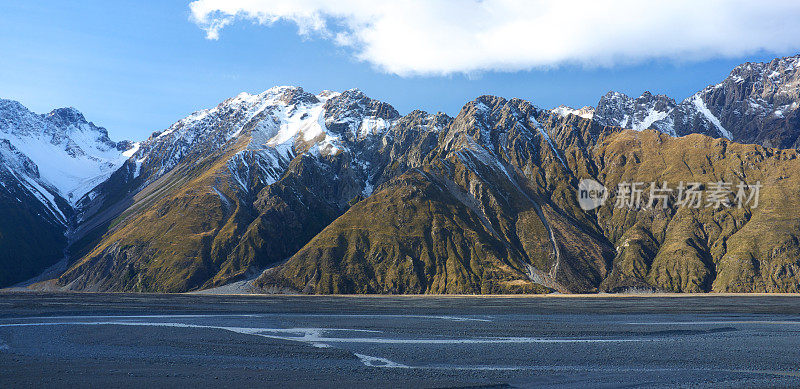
{"x": 149, "y": 340}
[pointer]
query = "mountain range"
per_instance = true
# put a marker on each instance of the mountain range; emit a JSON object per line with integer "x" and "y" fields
{"x": 292, "y": 192}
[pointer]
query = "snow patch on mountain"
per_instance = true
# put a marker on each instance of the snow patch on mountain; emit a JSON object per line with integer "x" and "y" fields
{"x": 651, "y": 117}
{"x": 701, "y": 107}
{"x": 26, "y": 174}
{"x": 306, "y": 123}
{"x": 563, "y": 110}
{"x": 372, "y": 126}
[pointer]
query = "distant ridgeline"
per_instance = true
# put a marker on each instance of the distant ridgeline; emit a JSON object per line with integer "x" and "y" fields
{"x": 339, "y": 193}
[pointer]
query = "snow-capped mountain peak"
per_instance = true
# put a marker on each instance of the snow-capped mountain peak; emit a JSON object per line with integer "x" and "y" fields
{"x": 66, "y": 116}
{"x": 71, "y": 154}
{"x": 278, "y": 124}
{"x": 618, "y": 109}
{"x": 757, "y": 103}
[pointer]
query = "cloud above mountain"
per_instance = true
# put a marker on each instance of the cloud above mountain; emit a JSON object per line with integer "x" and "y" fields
{"x": 419, "y": 37}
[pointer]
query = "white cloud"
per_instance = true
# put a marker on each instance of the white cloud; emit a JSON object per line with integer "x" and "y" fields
{"x": 430, "y": 37}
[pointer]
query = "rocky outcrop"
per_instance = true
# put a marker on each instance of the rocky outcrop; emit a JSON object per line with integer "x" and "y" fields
{"x": 617, "y": 109}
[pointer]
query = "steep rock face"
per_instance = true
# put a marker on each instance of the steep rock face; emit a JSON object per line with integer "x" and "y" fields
{"x": 758, "y": 102}
{"x": 692, "y": 116}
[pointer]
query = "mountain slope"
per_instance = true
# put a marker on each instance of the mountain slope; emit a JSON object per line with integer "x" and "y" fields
{"x": 426, "y": 241}
{"x": 684, "y": 249}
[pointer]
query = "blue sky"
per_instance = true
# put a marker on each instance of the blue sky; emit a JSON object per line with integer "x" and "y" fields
{"x": 137, "y": 67}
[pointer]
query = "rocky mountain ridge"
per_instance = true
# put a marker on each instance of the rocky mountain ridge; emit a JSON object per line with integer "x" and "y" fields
{"x": 289, "y": 191}
{"x": 757, "y": 103}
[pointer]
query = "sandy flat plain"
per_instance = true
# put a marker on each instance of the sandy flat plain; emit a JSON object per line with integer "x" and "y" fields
{"x": 135, "y": 340}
